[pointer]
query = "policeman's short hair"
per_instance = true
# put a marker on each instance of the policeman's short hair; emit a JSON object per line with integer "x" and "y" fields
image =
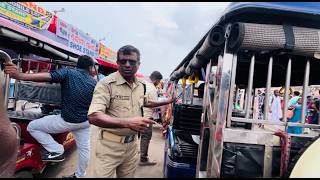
{"x": 84, "y": 62}
{"x": 128, "y": 50}
{"x": 155, "y": 75}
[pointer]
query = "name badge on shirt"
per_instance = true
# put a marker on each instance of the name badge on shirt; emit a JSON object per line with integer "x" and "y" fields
{"x": 119, "y": 97}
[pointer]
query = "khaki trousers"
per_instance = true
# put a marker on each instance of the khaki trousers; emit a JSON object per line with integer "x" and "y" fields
{"x": 115, "y": 159}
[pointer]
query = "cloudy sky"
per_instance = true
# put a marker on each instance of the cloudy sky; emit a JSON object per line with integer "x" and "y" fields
{"x": 163, "y": 32}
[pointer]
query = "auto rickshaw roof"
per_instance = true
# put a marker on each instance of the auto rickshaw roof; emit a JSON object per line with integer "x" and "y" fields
{"x": 306, "y": 14}
{"x": 25, "y": 40}
{"x": 281, "y": 7}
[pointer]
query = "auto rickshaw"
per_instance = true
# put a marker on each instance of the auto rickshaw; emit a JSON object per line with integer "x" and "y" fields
{"x": 32, "y": 100}
{"x": 252, "y": 45}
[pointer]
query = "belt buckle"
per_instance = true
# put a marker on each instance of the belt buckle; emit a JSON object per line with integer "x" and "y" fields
{"x": 128, "y": 139}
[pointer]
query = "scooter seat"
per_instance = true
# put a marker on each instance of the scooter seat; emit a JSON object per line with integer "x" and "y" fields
{"x": 25, "y": 115}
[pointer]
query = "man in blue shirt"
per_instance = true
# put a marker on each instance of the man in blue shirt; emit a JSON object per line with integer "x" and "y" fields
{"x": 77, "y": 86}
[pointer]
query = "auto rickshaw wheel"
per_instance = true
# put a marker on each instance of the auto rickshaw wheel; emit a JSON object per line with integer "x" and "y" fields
{"x": 23, "y": 174}
{"x": 297, "y": 157}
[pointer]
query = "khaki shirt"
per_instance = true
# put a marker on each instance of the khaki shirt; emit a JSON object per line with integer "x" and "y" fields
{"x": 114, "y": 97}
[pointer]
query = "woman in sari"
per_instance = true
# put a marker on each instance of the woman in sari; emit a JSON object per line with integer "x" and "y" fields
{"x": 296, "y": 118}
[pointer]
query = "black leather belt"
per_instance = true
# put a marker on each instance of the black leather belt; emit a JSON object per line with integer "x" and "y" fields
{"x": 129, "y": 139}
{"x": 116, "y": 138}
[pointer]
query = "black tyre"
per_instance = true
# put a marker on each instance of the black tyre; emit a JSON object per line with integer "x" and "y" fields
{"x": 23, "y": 174}
{"x": 297, "y": 157}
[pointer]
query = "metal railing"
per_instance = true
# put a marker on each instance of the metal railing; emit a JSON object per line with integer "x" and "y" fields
{"x": 266, "y": 119}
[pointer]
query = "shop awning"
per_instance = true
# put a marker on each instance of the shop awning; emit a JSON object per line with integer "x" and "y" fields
{"x": 107, "y": 64}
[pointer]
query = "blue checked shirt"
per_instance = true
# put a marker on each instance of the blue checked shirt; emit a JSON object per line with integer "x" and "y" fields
{"x": 77, "y": 88}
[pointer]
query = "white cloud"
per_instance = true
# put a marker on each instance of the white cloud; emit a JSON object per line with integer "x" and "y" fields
{"x": 164, "y": 32}
{"x": 160, "y": 14}
{"x": 164, "y": 22}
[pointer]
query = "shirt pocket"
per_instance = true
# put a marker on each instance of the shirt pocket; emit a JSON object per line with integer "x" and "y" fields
{"x": 120, "y": 102}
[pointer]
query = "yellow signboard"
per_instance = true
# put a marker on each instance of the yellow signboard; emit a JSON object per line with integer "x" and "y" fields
{"x": 27, "y": 14}
{"x": 107, "y": 53}
{"x": 102, "y": 51}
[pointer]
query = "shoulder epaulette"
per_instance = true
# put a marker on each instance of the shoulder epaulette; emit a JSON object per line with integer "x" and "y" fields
{"x": 141, "y": 80}
{"x": 109, "y": 79}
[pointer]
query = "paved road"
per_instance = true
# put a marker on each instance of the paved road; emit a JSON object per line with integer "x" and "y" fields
{"x": 68, "y": 166}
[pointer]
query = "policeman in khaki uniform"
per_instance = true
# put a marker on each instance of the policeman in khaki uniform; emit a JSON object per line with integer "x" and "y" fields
{"x": 116, "y": 108}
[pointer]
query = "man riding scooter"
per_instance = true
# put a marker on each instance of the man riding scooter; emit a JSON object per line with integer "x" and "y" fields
{"x": 77, "y": 86}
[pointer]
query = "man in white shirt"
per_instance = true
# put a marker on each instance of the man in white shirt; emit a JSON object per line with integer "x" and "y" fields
{"x": 152, "y": 94}
{"x": 275, "y": 107}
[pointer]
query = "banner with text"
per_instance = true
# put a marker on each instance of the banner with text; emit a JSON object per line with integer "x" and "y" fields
{"x": 111, "y": 55}
{"x": 27, "y": 14}
{"x": 102, "y": 51}
{"x": 62, "y": 29}
{"x": 35, "y": 17}
{"x": 82, "y": 42}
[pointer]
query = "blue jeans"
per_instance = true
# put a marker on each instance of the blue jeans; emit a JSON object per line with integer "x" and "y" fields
{"x": 11, "y": 90}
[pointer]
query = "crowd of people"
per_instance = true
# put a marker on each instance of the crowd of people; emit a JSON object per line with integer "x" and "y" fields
{"x": 276, "y": 108}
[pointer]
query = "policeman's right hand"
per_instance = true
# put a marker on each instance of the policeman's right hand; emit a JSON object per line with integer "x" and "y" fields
{"x": 139, "y": 124}
{"x": 173, "y": 99}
